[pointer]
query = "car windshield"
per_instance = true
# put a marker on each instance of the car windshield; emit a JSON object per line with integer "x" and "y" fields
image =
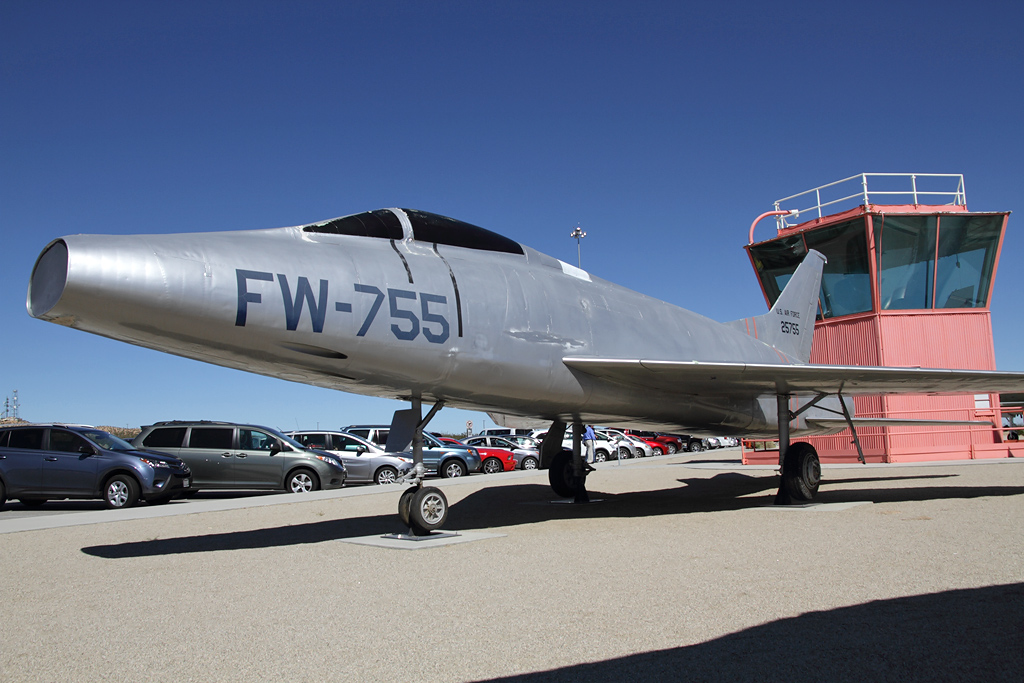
{"x": 287, "y": 439}
{"x": 106, "y": 440}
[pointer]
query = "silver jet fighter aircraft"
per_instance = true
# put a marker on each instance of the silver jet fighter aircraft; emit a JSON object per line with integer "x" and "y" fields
{"x": 414, "y": 306}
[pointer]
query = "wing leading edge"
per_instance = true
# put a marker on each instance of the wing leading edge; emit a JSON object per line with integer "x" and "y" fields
{"x": 757, "y": 379}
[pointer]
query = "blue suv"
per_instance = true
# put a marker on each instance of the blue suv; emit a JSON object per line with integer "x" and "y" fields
{"x": 56, "y": 461}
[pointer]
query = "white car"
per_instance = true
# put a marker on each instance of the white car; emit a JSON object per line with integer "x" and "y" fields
{"x": 603, "y": 448}
{"x": 627, "y": 446}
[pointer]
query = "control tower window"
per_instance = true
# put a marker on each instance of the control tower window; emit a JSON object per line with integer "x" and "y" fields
{"x": 906, "y": 254}
{"x": 429, "y": 227}
{"x": 967, "y": 256}
{"x": 380, "y": 223}
{"x": 846, "y": 280}
{"x": 775, "y": 263}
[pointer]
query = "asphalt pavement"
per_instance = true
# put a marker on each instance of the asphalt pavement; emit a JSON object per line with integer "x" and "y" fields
{"x": 683, "y": 571}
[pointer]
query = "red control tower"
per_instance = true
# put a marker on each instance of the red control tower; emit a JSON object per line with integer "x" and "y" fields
{"x": 908, "y": 283}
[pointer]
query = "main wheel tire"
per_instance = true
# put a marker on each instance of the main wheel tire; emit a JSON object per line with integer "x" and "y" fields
{"x": 801, "y": 471}
{"x": 600, "y": 456}
{"x": 561, "y": 476}
{"x": 120, "y": 491}
{"x": 492, "y": 466}
{"x": 31, "y": 502}
{"x": 452, "y": 469}
{"x": 530, "y": 463}
{"x": 386, "y": 475}
{"x": 302, "y": 481}
{"x": 405, "y": 504}
{"x": 428, "y": 510}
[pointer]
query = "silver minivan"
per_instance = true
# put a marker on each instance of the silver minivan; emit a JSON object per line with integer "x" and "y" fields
{"x": 224, "y": 455}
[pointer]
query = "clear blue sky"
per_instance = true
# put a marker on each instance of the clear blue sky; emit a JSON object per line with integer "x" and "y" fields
{"x": 663, "y": 129}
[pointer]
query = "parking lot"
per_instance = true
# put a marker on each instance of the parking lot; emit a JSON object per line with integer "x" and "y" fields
{"x": 682, "y": 571}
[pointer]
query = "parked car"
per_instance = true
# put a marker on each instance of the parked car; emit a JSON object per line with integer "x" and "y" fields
{"x": 225, "y": 455}
{"x": 504, "y": 431}
{"x": 445, "y": 461}
{"x": 43, "y": 462}
{"x": 524, "y": 458}
{"x": 603, "y": 448}
{"x": 492, "y": 460}
{"x": 628, "y": 446}
{"x": 365, "y": 461}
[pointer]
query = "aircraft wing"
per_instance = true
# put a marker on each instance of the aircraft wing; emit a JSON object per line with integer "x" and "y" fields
{"x": 755, "y": 379}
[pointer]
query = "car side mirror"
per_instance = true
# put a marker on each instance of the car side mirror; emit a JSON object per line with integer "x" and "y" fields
{"x": 361, "y": 449}
{"x": 86, "y": 450}
{"x": 276, "y": 448}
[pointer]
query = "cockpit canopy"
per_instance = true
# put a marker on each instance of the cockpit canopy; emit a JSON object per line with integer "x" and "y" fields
{"x": 426, "y": 227}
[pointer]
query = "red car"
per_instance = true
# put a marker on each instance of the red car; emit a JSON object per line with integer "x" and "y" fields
{"x": 492, "y": 460}
{"x": 661, "y": 443}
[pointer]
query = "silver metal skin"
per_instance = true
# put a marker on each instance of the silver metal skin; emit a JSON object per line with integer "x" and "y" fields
{"x": 525, "y": 335}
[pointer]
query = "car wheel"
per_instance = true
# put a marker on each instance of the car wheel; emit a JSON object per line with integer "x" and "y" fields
{"x": 492, "y": 466}
{"x": 121, "y": 491}
{"x": 428, "y": 510}
{"x": 301, "y": 481}
{"x": 623, "y": 453}
{"x": 31, "y": 502}
{"x": 600, "y": 456}
{"x": 694, "y": 446}
{"x": 659, "y": 450}
{"x": 530, "y": 463}
{"x": 671, "y": 448}
{"x": 386, "y": 475}
{"x": 454, "y": 468}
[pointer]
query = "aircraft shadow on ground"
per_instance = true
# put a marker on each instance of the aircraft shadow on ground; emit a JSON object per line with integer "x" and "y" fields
{"x": 532, "y": 503}
{"x": 961, "y": 635}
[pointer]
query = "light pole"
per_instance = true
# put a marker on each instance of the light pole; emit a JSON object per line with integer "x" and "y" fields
{"x": 578, "y": 234}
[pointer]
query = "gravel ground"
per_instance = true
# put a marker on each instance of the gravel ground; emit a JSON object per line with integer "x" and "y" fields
{"x": 679, "y": 573}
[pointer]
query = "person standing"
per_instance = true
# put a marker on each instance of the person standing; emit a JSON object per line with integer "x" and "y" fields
{"x": 588, "y": 442}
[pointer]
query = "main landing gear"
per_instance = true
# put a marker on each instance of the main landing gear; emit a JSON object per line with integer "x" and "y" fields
{"x": 798, "y": 462}
{"x": 423, "y": 509}
{"x": 567, "y": 470}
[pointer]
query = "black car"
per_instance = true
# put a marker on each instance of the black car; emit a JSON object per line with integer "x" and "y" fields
{"x": 56, "y": 461}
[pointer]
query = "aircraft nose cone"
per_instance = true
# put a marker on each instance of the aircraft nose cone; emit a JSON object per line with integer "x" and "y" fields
{"x": 49, "y": 276}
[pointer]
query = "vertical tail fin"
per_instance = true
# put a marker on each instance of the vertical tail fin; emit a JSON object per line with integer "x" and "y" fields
{"x": 789, "y": 325}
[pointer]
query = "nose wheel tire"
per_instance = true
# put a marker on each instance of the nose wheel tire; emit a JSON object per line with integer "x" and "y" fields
{"x": 427, "y": 509}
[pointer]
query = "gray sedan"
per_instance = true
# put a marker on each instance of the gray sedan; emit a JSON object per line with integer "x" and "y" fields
{"x": 364, "y": 460}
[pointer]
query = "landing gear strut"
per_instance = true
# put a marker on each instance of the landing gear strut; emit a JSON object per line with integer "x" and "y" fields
{"x": 798, "y": 463}
{"x": 421, "y": 508}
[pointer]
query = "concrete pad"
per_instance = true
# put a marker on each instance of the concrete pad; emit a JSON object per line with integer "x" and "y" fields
{"x": 438, "y": 539}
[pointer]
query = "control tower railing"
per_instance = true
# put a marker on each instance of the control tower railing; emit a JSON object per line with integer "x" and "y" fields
{"x": 887, "y": 185}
